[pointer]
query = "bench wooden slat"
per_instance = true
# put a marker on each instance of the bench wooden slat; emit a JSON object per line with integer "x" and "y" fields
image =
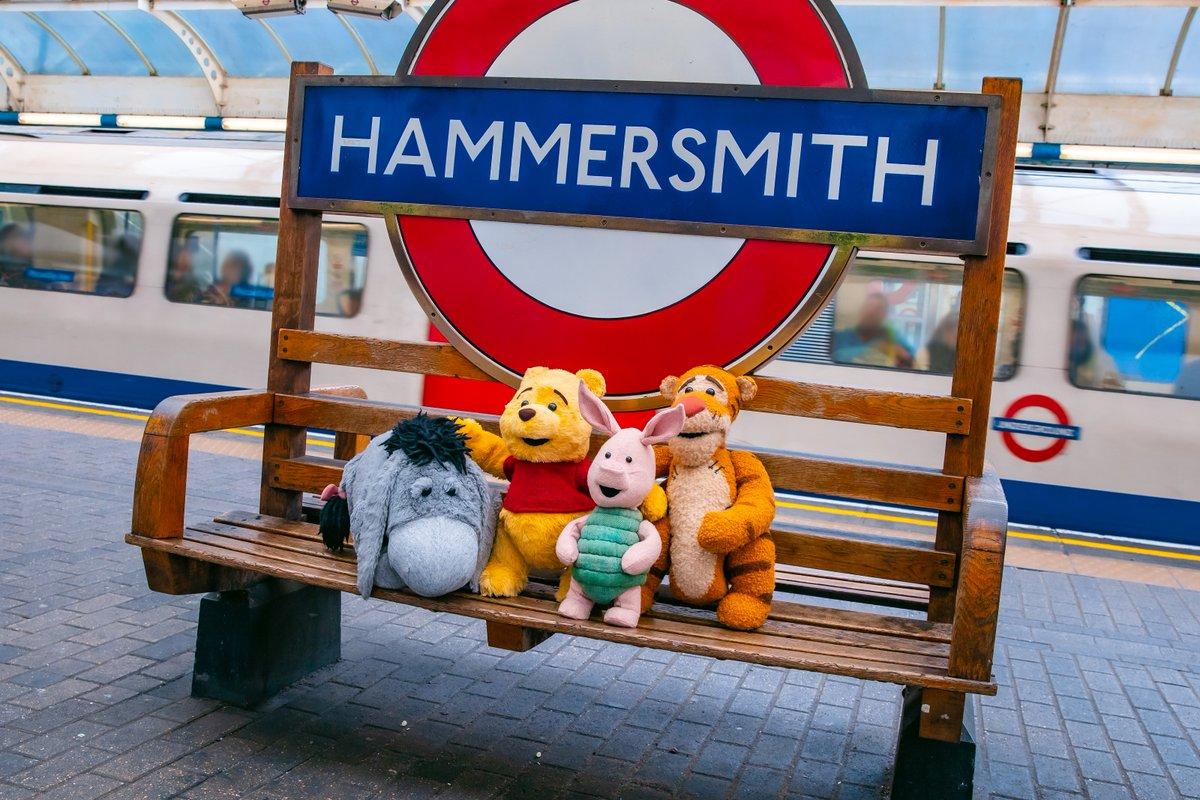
{"x": 689, "y": 638}
{"x": 775, "y": 395}
{"x": 795, "y": 473}
{"x": 303, "y": 536}
{"x": 906, "y": 563}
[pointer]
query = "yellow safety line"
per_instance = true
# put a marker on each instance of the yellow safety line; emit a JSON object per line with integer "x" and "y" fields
{"x": 847, "y": 512}
{"x": 108, "y": 412}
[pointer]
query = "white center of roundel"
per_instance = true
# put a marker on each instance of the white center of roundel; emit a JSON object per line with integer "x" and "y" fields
{"x": 606, "y": 273}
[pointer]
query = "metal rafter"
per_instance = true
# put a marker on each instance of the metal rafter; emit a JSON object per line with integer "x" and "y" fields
{"x": 14, "y": 78}
{"x": 1167, "y": 90}
{"x": 56, "y": 36}
{"x": 1060, "y": 35}
{"x": 210, "y": 66}
{"x": 362, "y": 46}
{"x": 112, "y": 23}
{"x": 939, "y": 82}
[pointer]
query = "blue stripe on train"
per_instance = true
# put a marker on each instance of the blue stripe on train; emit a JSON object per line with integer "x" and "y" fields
{"x": 95, "y": 386}
{"x": 1114, "y": 513}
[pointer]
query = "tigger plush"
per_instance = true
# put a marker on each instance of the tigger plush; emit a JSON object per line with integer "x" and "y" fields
{"x": 720, "y": 504}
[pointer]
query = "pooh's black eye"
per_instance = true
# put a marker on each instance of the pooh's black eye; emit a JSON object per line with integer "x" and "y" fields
{"x": 426, "y": 492}
{"x": 451, "y": 492}
{"x": 628, "y": 459}
{"x": 711, "y": 392}
{"x": 608, "y": 455}
{"x": 553, "y": 406}
{"x": 524, "y": 403}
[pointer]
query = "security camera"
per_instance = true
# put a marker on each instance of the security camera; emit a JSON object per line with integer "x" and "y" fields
{"x": 382, "y": 8}
{"x": 269, "y": 8}
{"x": 385, "y": 9}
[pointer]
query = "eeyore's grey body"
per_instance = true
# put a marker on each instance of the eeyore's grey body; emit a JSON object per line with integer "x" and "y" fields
{"x": 430, "y": 514}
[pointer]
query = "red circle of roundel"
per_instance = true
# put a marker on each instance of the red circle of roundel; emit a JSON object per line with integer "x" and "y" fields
{"x": 786, "y": 42}
{"x": 1028, "y": 453}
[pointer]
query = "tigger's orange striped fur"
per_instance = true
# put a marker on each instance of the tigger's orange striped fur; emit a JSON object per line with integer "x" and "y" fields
{"x": 716, "y": 536}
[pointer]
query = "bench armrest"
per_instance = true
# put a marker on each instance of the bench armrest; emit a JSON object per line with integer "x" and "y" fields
{"x": 981, "y": 570}
{"x": 160, "y": 487}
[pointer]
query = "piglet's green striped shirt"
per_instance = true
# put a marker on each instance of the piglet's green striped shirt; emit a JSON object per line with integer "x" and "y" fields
{"x": 607, "y": 534}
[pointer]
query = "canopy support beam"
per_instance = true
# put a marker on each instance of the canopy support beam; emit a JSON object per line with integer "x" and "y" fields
{"x": 1060, "y": 35}
{"x": 1167, "y": 89}
{"x": 14, "y": 79}
{"x": 210, "y": 66}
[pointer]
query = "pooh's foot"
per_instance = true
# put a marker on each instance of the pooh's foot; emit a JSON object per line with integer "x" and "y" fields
{"x": 564, "y": 585}
{"x": 500, "y": 581}
{"x": 743, "y": 612}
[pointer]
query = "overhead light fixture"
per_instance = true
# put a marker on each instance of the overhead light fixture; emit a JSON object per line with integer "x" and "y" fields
{"x": 269, "y": 8}
{"x": 383, "y": 9}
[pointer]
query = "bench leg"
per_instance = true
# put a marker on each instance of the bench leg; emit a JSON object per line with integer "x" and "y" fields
{"x": 253, "y": 642}
{"x": 514, "y": 637}
{"x": 935, "y": 751}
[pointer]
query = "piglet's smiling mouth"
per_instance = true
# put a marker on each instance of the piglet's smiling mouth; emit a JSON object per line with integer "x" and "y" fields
{"x": 608, "y": 491}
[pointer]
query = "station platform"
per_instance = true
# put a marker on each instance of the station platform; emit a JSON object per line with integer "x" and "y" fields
{"x": 1096, "y": 661}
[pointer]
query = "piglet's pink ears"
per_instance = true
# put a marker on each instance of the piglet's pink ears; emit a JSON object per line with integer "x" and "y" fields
{"x": 595, "y": 412}
{"x": 664, "y": 425}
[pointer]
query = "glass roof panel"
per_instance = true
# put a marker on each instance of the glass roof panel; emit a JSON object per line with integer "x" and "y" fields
{"x": 169, "y": 55}
{"x": 103, "y": 49}
{"x": 1017, "y": 44}
{"x": 318, "y": 35}
{"x": 385, "y": 39}
{"x": 243, "y": 45}
{"x": 33, "y": 47}
{"x": 1187, "y": 74}
{"x": 1118, "y": 50}
{"x": 897, "y": 44}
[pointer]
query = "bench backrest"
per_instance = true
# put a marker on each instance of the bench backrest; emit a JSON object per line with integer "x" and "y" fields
{"x": 962, "y": 416}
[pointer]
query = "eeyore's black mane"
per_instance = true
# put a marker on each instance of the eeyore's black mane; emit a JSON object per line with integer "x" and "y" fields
{"x": 425, "y": 439}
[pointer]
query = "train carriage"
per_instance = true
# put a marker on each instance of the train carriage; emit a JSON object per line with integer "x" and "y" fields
{"x": 135, "y": 266}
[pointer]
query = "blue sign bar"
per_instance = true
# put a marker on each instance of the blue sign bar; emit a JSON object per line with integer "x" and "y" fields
{"x": 859, "y": 168}
{"x": 1051, "y": 430}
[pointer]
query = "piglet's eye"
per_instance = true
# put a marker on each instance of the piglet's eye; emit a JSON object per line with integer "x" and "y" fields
{"x": 628, "y": 459}
{"x": 451, "y": 492}
{"x": 608, "y": 455}
{"x": 426, "y": 492}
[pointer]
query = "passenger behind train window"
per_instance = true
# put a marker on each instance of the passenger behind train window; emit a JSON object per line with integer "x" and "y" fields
{"x": 1137, "y": 335}
{"x": 230, "y": 262}
{"x": 69, "y": 249}
{"x": 904, "y": 315}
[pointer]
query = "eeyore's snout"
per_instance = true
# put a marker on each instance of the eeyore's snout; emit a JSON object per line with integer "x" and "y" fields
{"x": 434, "y": 555}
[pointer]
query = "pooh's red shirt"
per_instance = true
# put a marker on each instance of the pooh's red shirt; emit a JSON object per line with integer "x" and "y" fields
{"x": 547, "y": 488}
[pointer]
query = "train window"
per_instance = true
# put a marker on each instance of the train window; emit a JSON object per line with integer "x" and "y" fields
{"x": 69, "y": 249}
{"x": 1138, "y": 335}
{"x": 230, "y": 261}
{"x": 904, "y": 315}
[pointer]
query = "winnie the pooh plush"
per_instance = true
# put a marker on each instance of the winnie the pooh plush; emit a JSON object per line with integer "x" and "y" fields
{"x": 542, "y": 451}
{"x": 717, "y": 533}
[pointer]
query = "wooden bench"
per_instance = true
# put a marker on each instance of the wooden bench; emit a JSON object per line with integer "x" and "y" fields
{"x": 941, "y": 657}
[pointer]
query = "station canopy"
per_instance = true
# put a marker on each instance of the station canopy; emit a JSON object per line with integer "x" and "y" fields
{"x": 1096, "y": 72}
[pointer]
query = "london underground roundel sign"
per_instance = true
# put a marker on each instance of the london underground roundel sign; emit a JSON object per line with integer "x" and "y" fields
{"x": 636, "y": 305}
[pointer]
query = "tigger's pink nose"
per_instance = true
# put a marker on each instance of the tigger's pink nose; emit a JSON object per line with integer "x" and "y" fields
{"x": 692, "y": 405}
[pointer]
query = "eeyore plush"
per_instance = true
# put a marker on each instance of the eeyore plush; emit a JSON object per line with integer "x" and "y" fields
{"x": 421, "y": 511}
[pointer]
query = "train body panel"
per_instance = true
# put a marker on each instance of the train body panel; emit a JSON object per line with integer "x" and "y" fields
{"x": 1124, "y": 461}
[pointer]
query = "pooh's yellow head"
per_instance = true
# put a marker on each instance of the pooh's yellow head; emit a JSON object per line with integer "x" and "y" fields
{"x": 542, "y": 421}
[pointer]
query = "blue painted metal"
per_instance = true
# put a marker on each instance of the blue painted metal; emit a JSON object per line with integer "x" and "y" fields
{"x": 680, "y": 182}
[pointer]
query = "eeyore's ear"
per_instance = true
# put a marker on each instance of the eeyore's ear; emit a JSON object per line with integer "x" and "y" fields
{"x": 489, "y": 508}
{"x": 595, "y": 412}
{"x": 369, "y": 481}
{"x": 664, "y": 425}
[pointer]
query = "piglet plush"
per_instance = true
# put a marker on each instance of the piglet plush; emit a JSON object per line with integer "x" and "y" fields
{"x": 613, "y": 547}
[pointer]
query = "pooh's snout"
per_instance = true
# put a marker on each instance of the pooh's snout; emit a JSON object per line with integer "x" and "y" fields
{"x": 526, "y": 414}
{"x": 692, "y": 405}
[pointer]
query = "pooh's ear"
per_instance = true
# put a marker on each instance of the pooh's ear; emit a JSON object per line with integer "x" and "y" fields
{"x": 593, "y": 380}
{"x": 747, "y": 388}
{"x": 668, "y": 386}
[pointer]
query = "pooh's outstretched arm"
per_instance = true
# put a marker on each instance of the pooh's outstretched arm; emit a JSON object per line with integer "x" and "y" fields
{"x": 487, "y": 449}
{"x": 750, "y": 515}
